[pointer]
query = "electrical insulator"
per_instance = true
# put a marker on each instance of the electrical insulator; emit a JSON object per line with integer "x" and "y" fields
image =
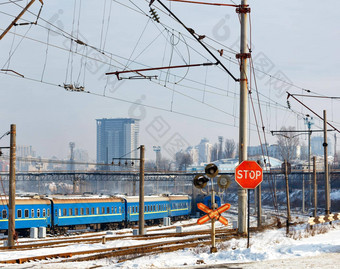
{"x": 154, "y": 14}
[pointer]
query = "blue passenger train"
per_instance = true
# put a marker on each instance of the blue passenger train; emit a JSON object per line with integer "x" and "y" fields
{"x": 58, "y": 213}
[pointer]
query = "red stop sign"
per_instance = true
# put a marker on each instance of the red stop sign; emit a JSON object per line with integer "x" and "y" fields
{"x": 248, "y": 174}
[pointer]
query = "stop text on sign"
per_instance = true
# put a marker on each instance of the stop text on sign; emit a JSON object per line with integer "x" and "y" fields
{"x": 249, "y": 174}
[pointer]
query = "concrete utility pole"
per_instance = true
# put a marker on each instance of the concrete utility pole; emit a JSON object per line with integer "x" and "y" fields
{"x": 315, "y": 188}
{"x": 11, "y": 208}
{"x": 141, "y": 191}
{"x": 243, "y": 143}
{"x": 327, "y": 187}
{"x": 287, "y": 196}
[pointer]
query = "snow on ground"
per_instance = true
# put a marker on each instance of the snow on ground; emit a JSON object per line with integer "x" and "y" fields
{"x": 268, "y": 249}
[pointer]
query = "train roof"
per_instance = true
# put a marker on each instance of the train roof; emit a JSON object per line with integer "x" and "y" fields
{"x": 26, "y": 200}
{"x": 66, "y": 199}
{"x": 179, "y": 197}
{"x": 146, "y": 198}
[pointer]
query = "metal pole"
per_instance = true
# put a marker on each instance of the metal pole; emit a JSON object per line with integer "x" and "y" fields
{"x": 303, "y": 192}
{"x": 213, "y": 207}
{"x": 315, "y": 188}
{"x": 16, "y": 19}
{"x": 248, "y": 220}
{"x": 11, "y": 208}
{"x": 287, "y": 195}
{"x": 309, "y": 165}
{"x": 141, "y": 191}
{"x": 259, "y": 206}
{"x": 327, "y": 187}
{"x": 242, "y": 193}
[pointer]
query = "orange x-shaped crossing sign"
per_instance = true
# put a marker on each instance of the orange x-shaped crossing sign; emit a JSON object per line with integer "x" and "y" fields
{"x": 213, "y": 214}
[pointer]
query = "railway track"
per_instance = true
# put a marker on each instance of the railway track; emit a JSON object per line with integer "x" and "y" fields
{"x": 200, "y": 238}
{"x": 169, "y": 245}
{"x": 99, "y": 239}
{"x": 99, "y": 235}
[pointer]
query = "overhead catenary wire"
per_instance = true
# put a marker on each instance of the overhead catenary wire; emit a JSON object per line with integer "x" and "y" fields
{"x": 148, "y": 16}
{"x": 105, "y": 62}
{"x": 140, "y": 11}
{"x": 132, "y": 102}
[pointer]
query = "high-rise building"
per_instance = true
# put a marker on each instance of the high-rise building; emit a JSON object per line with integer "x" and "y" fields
{"x": 204, "y": 151}
{"x": 317, "y": 146}
{"x": 117, "y": 138}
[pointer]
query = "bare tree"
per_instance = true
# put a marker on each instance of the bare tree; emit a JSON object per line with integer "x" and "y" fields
{"x": 183, "y": 160}
{"x": 288, "y": 142}
{"x": 229, "y": 148}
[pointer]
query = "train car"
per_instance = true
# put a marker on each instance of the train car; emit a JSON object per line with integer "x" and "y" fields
{"x": 155, "y": 208}
{"x": 180, "y": 206}
{"x": 80, "y": 212}
{"x": 30, "y": 211}
{"x": 207, "y": 200}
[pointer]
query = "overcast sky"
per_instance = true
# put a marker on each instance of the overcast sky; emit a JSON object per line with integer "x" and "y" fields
{"x": 296, "y": 41}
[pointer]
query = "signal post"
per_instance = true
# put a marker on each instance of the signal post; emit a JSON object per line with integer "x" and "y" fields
{"x": 213, "y": 214}
{"x": 248, "y": 174}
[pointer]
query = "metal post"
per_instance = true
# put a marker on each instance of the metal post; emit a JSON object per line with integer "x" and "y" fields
{"x": 11, "y": 208}
{"x": 248, "y": 220}
{"x": 327, "y": 187}
{"x": 141, "y": 191}
{"x": 309, "y": 165}
{"x": 303, "y": 192}
{"x": 213, "y": 207}
{"x": 315, "y": 188}
{"x": 259, "y": 206}
{"x": 242, "y": 193}
{"x": 287, "y": 195}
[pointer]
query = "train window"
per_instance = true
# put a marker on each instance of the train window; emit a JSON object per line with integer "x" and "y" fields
{"x": 112, "y": 211}
{"x": 19, "y": 213}
{"x": 59, "y": 212}
{"x": 4, "y": 214}
{"x": 92, "y": 211}
{"x": 103, "y": 210}
{"x": 81, "y": 211}
{"x": 76, "y": 211}
{"x": 133, "y": 209}
{"x": 48, "y": 212}
{"x": 56, "y": 213}
{"x": 108, "y": 210}
{"x": 26, "y": 213}
{"x": 70, "y": 213}
{"x": 87, "y": 211}
{"x": 120, "y": 210}
{"x": 97, "y": 210}
{"x": 44, "y": 213}
{"x": 145, "y": 209}
{"x": 154, "y": 208}
{"x": 38, "y": 213}
{"x": 116, "y": 210}
{"x": 32, "y": 213}
{"x": 136, "y": 208}
{"x": 64, "y": 212}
